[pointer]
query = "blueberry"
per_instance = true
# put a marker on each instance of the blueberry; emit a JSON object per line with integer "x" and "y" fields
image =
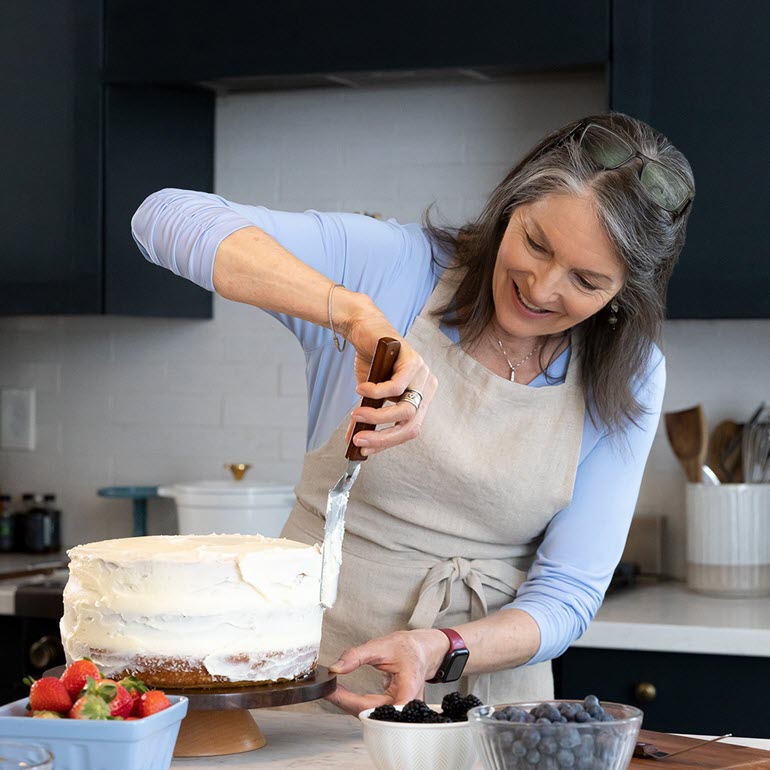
{"x": 548, "y": 745}
{"x": 548, "y": 763}
{"x": 533, "y": 756}
{"x": 582, "y": 716}
{"x": 528, "y": 718}
{"x": 565, "y": 758}
{"x": 543, "y": 721}
{"x": 518, "y": 749}
{"x": 500, "y": 716}
{"x": 530, "y": 738}
{"x": 569, "y": 738}
{"x": 590, "y": 700}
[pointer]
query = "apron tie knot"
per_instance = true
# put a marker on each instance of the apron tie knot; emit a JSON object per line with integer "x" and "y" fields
{"x": 435, "y": 596}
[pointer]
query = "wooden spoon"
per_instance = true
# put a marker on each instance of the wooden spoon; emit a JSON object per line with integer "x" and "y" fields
{"x": 724, "y": 453}
{"x": 687, "y": 435}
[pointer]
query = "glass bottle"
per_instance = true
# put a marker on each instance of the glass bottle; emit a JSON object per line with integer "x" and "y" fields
{"x": 55, "y": 514}
{"x": 6, "y": 524}
{"x": 19, "y": 522}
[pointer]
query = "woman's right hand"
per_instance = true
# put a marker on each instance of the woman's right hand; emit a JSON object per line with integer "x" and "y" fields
{"x": 363, "y": 328}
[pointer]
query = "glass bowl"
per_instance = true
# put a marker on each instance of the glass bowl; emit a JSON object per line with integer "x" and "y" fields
{"x": 503, "y": 745}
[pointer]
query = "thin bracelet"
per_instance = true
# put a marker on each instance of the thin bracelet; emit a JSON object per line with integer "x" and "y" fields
{"x": 337, "y": 345}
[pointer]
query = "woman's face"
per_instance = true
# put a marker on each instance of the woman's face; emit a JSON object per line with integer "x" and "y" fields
{"x": 555, "y": 267}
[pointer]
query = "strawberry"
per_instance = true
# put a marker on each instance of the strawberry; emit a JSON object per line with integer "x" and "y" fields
{"x": 152, "y": 702}
{"x": 136, "y": 688}
{"x": 89, "y": 707}
{"x": 74, "y": 677}
{"x": 115, "y": 695}
{"x": 45, "y": 715}
{"x": 49, "y": 694}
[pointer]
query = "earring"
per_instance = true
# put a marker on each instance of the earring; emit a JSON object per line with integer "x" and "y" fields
{"x": 613, "y": 319}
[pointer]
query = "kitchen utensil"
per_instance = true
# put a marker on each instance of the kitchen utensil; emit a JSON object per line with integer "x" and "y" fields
{"x": 724, "y": 452}
{"x": 382, "y": 366}
{"x": 686, "y": 431}
{"x": 711, "y": 756}
{"x": 755, "y": 446}
{"x": 651, "y": 751}
{"x": 709, "y": 477}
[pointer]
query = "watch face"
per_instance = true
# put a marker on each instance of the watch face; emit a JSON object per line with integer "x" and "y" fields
{"x": 457, "y": 662}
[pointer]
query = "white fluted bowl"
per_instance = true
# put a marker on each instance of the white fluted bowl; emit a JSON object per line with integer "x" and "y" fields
{"x": 403, "y": 746}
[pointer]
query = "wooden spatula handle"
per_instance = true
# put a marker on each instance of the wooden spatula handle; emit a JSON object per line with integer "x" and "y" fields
{"x": 381, "y": 370}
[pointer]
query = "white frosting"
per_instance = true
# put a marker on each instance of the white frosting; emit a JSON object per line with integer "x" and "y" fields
{"x": 206, "y": 599}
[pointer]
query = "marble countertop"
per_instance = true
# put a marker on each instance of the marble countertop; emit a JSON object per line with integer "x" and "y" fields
{"x": 311, "y": 742}
{"x": 667, "y": 617}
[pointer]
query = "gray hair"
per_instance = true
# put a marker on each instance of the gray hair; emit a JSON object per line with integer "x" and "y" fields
{"x": 646, "y": 239}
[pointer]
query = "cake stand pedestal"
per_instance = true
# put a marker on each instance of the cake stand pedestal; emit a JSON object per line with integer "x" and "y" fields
{"x": 218, "y": 721}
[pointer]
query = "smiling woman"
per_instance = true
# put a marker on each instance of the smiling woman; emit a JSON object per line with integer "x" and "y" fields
{"x": 486, "y": 526}
{"x": 583, "y": 229}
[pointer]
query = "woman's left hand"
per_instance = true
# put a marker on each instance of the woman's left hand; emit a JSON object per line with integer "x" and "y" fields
{"x": 406, "y": 658}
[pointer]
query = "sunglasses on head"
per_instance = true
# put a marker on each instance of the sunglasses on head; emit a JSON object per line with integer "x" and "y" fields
{"x": 663, "y": 185}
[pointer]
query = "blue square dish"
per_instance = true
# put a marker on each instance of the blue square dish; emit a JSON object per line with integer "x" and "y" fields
{"x": 81, "y": 744}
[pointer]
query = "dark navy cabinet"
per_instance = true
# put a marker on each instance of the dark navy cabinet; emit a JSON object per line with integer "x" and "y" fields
{"x": 237, "y": 41}
{"x": 678, "y": 692}
{"x": 74, "y": 161}
{"x": 700, "y": 73}
{"x": 105, "y": 101}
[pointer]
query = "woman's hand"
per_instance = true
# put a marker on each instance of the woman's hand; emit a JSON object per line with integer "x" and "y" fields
{"x": 363, "y": 329}
{"x": 406, "y": 658}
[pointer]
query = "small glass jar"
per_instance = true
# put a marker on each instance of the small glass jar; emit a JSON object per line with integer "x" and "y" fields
{"x": 14, "y": 755}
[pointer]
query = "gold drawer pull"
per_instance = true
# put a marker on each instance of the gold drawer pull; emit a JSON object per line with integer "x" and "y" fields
{"x": 645, "y": 692}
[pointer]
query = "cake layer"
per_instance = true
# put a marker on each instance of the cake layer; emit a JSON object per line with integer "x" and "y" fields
{"x": 225, "y": 604}
{"x": 241, "y": 671}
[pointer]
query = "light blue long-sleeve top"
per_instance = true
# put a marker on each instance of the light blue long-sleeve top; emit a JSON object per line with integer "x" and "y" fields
{"x": 181, "y": 230}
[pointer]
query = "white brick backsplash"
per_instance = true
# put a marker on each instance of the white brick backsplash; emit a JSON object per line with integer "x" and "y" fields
{"x": 281, "y": 412}
{"x": 220, "y": 378}
{"x": 44, "y": 378}
{"x": 169, "y": 341}
{"x": 292, "y": 380}
{"x": 292, "y": 444}
{"x": 109, "y": 378}
{"x": 155, "y": 409}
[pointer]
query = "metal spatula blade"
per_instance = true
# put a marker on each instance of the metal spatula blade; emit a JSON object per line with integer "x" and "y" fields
{"x": 336, "y": 504}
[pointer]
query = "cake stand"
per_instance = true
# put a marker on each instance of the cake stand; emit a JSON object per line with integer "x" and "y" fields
{"x": 218, "y": 719}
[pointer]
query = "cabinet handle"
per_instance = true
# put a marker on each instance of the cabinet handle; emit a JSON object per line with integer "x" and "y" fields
{"x": 645, "y": 692}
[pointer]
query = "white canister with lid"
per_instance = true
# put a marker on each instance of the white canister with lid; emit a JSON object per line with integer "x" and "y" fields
{"x": 231, "y": 507}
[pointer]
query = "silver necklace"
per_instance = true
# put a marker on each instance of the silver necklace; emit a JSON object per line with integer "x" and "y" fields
{"x": 518, "y": 363}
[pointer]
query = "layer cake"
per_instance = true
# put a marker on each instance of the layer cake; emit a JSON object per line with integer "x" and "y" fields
{"x": 195, "y": 610}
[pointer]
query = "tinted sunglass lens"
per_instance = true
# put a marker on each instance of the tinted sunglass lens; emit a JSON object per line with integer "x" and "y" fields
{"x": 664, "y": 186}
{"x": 605, "y": 148}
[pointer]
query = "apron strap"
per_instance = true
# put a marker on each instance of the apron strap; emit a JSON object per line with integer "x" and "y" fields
{"x": 435, "y": 596}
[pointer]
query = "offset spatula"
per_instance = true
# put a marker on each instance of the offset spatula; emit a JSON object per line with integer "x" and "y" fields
{"x": 381, "y": 369}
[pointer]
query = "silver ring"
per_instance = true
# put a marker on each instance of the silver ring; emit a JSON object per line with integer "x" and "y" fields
{"x": 413, "y": 397}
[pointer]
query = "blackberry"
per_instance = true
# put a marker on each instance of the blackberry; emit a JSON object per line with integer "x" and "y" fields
{"x": 385, "y": 714}
{"x": 471, "y": 701}
{"x": 416, "y": 711}
{"x": 435, "y": 719}
{"x": 456, "y": 706}
{"x": 452, "y": 706}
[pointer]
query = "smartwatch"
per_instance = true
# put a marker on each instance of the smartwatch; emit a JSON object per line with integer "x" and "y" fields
{"x": 452, "y": 666}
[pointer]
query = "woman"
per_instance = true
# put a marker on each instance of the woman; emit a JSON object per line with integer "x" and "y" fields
{"x": 529, "y": 338}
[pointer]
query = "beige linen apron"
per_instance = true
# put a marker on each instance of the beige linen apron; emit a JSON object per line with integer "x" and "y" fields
{"x": 442, "y": 530}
